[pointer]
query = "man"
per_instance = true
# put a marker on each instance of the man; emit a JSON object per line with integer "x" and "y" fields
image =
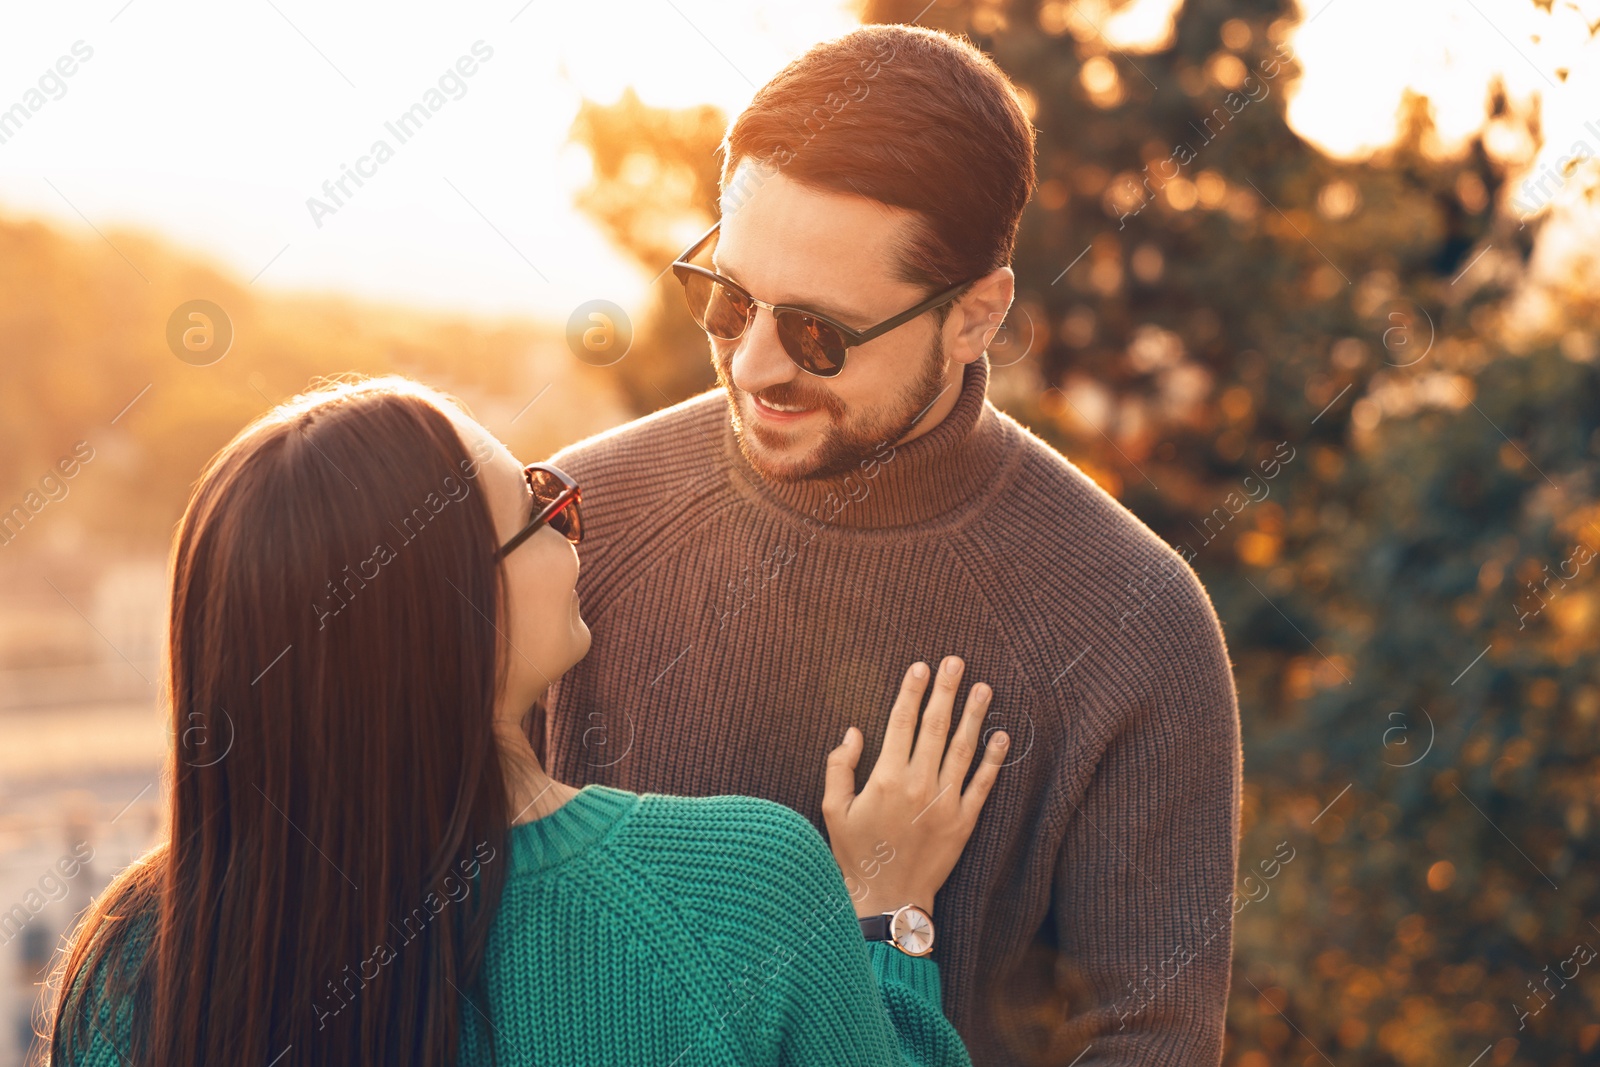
{"x": 761, "y": 563}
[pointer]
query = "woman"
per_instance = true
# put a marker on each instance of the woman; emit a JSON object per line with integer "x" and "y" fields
{"x": 366, "y": 863}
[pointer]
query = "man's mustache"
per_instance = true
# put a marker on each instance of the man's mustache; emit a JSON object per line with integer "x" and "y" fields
{"x": 782, "y": 395}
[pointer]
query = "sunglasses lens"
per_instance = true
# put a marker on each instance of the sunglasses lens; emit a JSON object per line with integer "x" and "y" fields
{"x": 720, "y": 311}
{"x": 566, "y": 522}
{"x": 547, "y": 490}
{"x": 812, "y": 344}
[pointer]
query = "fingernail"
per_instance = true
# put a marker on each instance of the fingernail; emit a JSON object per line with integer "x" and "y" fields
{"x": 1000, "y": 740}
{"x": 919, "y": 670}
{"x": 951, "y": 665}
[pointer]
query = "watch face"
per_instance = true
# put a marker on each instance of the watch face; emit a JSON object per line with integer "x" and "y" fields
{"x": 912, "y": 931}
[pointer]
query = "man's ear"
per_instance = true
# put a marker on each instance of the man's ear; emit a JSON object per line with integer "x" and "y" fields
{"x": 979, "y": 314}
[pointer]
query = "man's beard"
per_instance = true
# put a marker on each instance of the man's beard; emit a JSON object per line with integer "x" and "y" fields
{"x": 848, "y": 439}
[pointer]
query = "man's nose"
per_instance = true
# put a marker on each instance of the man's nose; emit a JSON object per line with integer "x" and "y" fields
{"x": 760, "y": 360}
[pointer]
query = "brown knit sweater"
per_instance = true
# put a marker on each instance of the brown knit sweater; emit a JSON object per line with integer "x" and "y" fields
{"x": 740, "y": 626}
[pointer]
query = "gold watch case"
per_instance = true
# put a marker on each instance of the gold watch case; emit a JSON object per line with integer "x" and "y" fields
{"x": 911, "y": 930}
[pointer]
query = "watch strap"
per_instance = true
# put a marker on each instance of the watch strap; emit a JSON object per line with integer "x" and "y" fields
{"x": 876, "y": 927}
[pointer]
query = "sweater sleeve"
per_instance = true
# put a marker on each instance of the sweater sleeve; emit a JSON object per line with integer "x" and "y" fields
{"x": 838, "y": 1000}
{"x": 1142, "y": 893}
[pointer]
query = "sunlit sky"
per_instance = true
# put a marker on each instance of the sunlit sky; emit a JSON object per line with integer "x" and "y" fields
{"x": 211, "y": 125}
{"x": 1361, "y": 55}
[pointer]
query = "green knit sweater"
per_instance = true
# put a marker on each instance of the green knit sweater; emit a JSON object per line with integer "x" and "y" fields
{"x": 670, "y": 931}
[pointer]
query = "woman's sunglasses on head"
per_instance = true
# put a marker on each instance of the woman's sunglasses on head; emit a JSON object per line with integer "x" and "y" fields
{"x": 816, "y": 343}
{"x": 555, "y": 502}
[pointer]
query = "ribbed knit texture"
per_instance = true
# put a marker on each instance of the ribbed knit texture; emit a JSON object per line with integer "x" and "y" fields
{"x": 663, "y": 931}
{"x": 740, "y": 626}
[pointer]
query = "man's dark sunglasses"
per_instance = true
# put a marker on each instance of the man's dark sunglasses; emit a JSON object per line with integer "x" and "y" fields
{"x": 724, "y": 309}
{"x": 555, "y": 501}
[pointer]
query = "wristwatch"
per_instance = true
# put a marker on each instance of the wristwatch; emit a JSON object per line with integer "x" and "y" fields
{"x": 909, "y": 929}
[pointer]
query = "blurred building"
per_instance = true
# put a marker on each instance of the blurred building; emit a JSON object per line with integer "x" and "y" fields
{"x": 82, "y": 740}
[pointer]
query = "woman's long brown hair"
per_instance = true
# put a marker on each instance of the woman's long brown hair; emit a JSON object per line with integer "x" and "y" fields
{"x": 338, "y": 811}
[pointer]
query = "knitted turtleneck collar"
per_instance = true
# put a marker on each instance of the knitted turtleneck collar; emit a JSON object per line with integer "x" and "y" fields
{"x": 570, "y": 830}
{"x": 916, "y": 482}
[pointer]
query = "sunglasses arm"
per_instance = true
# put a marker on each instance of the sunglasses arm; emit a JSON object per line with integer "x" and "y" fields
{"x": 690, "y": 252}
{"x": 936, "y": 300}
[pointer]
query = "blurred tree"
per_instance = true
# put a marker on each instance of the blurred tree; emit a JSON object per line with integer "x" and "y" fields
{"x": 654, "y": 190}
{"x": 84, "y": 357}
